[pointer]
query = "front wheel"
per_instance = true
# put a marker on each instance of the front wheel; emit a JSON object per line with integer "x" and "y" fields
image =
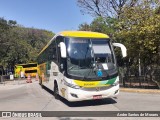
{"x": 56, "y": 94}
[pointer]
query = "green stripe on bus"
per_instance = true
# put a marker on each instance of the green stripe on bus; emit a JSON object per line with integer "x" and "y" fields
{"x": 111, "y": 81}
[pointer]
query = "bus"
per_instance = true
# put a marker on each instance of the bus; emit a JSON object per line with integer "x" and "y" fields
{"x": 80, "y": 65}
{"x": 27, "y": 69}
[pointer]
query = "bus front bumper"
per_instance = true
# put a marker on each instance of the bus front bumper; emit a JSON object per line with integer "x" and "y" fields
{"x": 80, "y": 94}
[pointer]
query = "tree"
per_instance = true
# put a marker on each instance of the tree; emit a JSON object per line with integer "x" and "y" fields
{"x": 84, "y": 27}
{"x": 20, "y": 44}
{"x": 104, "y": 8}
{"x": 5, "y": 28}
{"x": 100, "y": 24}
{"x": 139, "y": 29}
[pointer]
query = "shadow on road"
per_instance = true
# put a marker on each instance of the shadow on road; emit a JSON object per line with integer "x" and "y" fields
{"x": 89, "y": 102}
{"x": 83, "y": 103}
{"x": 48, "y": 90}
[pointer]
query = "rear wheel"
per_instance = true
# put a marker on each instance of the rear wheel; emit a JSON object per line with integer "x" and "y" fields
{"x": 56, "y": 94}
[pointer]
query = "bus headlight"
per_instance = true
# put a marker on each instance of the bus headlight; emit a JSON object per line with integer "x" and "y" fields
{"x": 71, "y": 85}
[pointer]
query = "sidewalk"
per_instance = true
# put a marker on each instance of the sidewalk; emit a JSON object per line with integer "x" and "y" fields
{"x": 138, "y": 90}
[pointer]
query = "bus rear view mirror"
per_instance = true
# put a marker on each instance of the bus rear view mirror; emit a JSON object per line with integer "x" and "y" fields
{"x": 63, "y": 49}
{"x": 123, "y": 48}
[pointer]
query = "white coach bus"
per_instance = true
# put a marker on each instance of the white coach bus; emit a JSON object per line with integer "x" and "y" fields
{"x": 80, "y": 65}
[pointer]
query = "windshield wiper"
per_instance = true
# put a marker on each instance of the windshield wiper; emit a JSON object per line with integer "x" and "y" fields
{"x": 70, "y": 68}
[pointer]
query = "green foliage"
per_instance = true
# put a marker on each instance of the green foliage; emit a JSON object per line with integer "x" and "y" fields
{"x": 99, "y": 24}
{"x": 20, "y": 44}
{"x": 139, "y": 28}
{"x": 84, "y": 27}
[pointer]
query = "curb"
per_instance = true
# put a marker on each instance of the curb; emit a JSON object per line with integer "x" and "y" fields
{"x": 134, "y": 90}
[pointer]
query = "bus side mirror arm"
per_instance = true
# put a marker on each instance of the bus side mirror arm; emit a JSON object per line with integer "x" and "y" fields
{"x": 63, "y": 49}
{"x": 123, "y": 48}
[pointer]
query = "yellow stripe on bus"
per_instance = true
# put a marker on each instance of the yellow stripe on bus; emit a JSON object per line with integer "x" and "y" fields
{"x": 86, "y": 84}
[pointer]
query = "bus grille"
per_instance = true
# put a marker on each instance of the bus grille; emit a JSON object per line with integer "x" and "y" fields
{"x": 96, "y": 88}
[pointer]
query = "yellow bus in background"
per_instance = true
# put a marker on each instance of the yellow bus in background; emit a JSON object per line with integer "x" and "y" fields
{"x": 23, "y": 70}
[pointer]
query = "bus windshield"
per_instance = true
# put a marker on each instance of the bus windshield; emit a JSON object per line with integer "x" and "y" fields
{"x": 86, "y": 54}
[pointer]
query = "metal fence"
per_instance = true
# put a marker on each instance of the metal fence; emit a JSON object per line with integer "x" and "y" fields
{"x": 149, "y": 79}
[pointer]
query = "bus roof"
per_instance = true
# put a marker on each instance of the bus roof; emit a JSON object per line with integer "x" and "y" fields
{"x": 85, "y": 34}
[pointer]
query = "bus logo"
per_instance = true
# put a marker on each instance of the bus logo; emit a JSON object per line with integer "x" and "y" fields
{"x": 97, "y": 88}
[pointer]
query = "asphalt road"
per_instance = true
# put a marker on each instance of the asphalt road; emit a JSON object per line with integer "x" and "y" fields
{"x": 31, "y": 97}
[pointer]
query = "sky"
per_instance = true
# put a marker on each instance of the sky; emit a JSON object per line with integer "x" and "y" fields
{"x": 52, "y": 15}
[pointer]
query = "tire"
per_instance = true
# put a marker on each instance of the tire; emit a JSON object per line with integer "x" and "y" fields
{"x": 56, "y": 94}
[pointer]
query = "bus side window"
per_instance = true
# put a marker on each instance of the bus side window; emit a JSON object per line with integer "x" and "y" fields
{"x": 60, "y": 61}
{"x": 53, "y": 51}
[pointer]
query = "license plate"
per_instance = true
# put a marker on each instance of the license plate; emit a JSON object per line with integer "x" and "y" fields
{"x": 97, "y": 97}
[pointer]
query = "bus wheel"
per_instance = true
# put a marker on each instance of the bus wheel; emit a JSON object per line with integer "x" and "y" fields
{"x": 56, "y": 95}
